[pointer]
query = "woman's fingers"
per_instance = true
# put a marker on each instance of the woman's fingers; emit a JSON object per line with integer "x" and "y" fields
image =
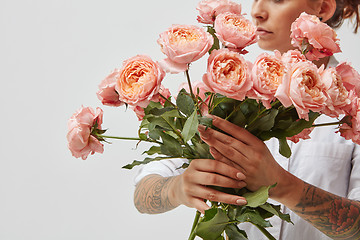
{"x": 203, "y": 192}
{"x": 219, "y": 157}
{"x": 200, "y": 205}
{"x": 237, "y": 132}
{"x": 201, "y": 174}
{"x": 227, "y": 146}
{"x": 220, "y": 169}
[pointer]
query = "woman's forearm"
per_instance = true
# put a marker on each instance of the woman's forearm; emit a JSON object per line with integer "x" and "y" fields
{"x": 337, "y": 217}
{"x": 153, "y": 194}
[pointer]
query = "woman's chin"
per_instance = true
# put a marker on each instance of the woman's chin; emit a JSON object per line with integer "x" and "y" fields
{"x": 266, "y": 45}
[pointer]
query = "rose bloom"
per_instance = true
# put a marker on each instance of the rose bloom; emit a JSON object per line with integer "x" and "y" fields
{"x": 267, "y": 75}
{"x": 302, "y": 87}
{"x": 291, "y": 57}
{"x": 209, "y": 9}
{"x": 139, "y": 111}
{"x": 350, "y": 77}
{"x": 304, "y": 134}
{"x": 80, "y": 141}
{"x": 234, "y": 30}
{"x": 199, "y": 89}
{"x": 351, "y": 129}
{"x": 321, "y": 37}
{"x": 338, "y": 96}
{"x": 183, "y": 44}
{"x": 228, "y": 74}
{"x": 139, "y": 80}
{"x": 107, "y": 93}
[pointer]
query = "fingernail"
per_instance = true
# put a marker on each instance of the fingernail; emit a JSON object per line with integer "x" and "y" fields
{"x": 201, "y": 128}
{"x": 209, "y": 116}
{"x": 203, "y": 134}
{"x": 241, "y": 201}
{"x": 240, "y": 175}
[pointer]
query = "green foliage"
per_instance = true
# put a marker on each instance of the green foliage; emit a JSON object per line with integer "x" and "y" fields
{"x": 190, "y": 126}
{"x": 173, "y": 130}
{"x": 259, "y": 197}
{"x": 216, "y": 44}
{"x": 234, "y": 233}
{"x": 185, "y": 103}
{"x": 213, "y": 224}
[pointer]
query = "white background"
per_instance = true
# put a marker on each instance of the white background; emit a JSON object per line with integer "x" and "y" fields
{"x": 53, "y": 54}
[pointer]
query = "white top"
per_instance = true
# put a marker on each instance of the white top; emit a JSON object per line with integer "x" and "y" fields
{"x": 327, "y": 161}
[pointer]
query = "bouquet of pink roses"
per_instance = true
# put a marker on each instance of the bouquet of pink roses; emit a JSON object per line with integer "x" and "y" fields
{"x": 279, "y": 95}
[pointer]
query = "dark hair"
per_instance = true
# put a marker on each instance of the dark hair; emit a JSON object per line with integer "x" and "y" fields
{"x": 345, "y": 9}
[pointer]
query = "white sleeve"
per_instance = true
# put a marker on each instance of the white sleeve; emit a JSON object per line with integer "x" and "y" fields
{"x": 354, "y": 181}
{"x": 165, "y": 168}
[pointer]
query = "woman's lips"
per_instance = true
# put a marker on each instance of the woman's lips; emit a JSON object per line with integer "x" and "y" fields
{"x": 262, "y": 32}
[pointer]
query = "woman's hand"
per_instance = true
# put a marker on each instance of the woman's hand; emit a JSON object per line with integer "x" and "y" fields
{"x": 192, "y": 187}
{"x": 245, "y": 152}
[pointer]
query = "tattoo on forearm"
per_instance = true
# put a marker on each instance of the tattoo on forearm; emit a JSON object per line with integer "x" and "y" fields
{"x": 337, "y": 217}
{"x": 152, "y": 195}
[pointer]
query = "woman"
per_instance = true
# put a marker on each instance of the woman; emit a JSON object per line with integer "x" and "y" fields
{"x": 319, "y": 185}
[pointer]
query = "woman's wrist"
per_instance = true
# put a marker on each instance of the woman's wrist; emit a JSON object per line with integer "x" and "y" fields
{"x": 174, "y": 191}
{"x": 288, "y": 189}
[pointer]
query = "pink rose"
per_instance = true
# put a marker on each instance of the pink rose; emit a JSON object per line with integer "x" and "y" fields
{"x": 228, "y": 74}
{"x": 321, "y": 38}
{"x": 209, "y": 9}
{"x": 183, "y": 44}
{"x": 139, "y": 80}
{"x": 350, "y": 77}
{"x": 199, "y": 89}
{"x": 80, "y": 141}
{"x": 139, "y": 111}
{"x": 302, "y": 87}
{"x": 292, "y": 56}
{"x": 304, "y": 134}
{"x": 235, "y": 31}
{"x": 351, "y": 129}
{"x": 338, "y": 96}
{"x": 107, "y": 93}
{"x": 267, "y": 75}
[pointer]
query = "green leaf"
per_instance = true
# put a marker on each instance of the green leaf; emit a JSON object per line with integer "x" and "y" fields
{"x": 284, "y": 148}
{"x": 253, "y": 216}
{"x": 259, "y": 197}
{"x": 185, "y": 103}
{"x": 158, "y": 112}
{"x": 145, "y": 161}
{"x": 201, "y": 150}
{"x": 213, "y": 224}
{"x": 155, "y": 133}
{"x": 144, "y": 124}
{"x": 275, "y": 209}
{"x": 158, "y": 121}
{"x": 152, "y": 105}
{"x": 153, "y": 150}
{"x": 238, "y": 119}
{"x": 170, "y": 146}
{"x": 232, "y": 211}
{"x": 143, "y": 136}
{"x": 234, "y": 233}
{"x": 216, "y": 44}
{"x": 265, "y": 122}
{"x": 190, "y": 127}
{"x": 206, "y": 121}
{"x": 297, "y": 126}
{"x": 224, "y": 106}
